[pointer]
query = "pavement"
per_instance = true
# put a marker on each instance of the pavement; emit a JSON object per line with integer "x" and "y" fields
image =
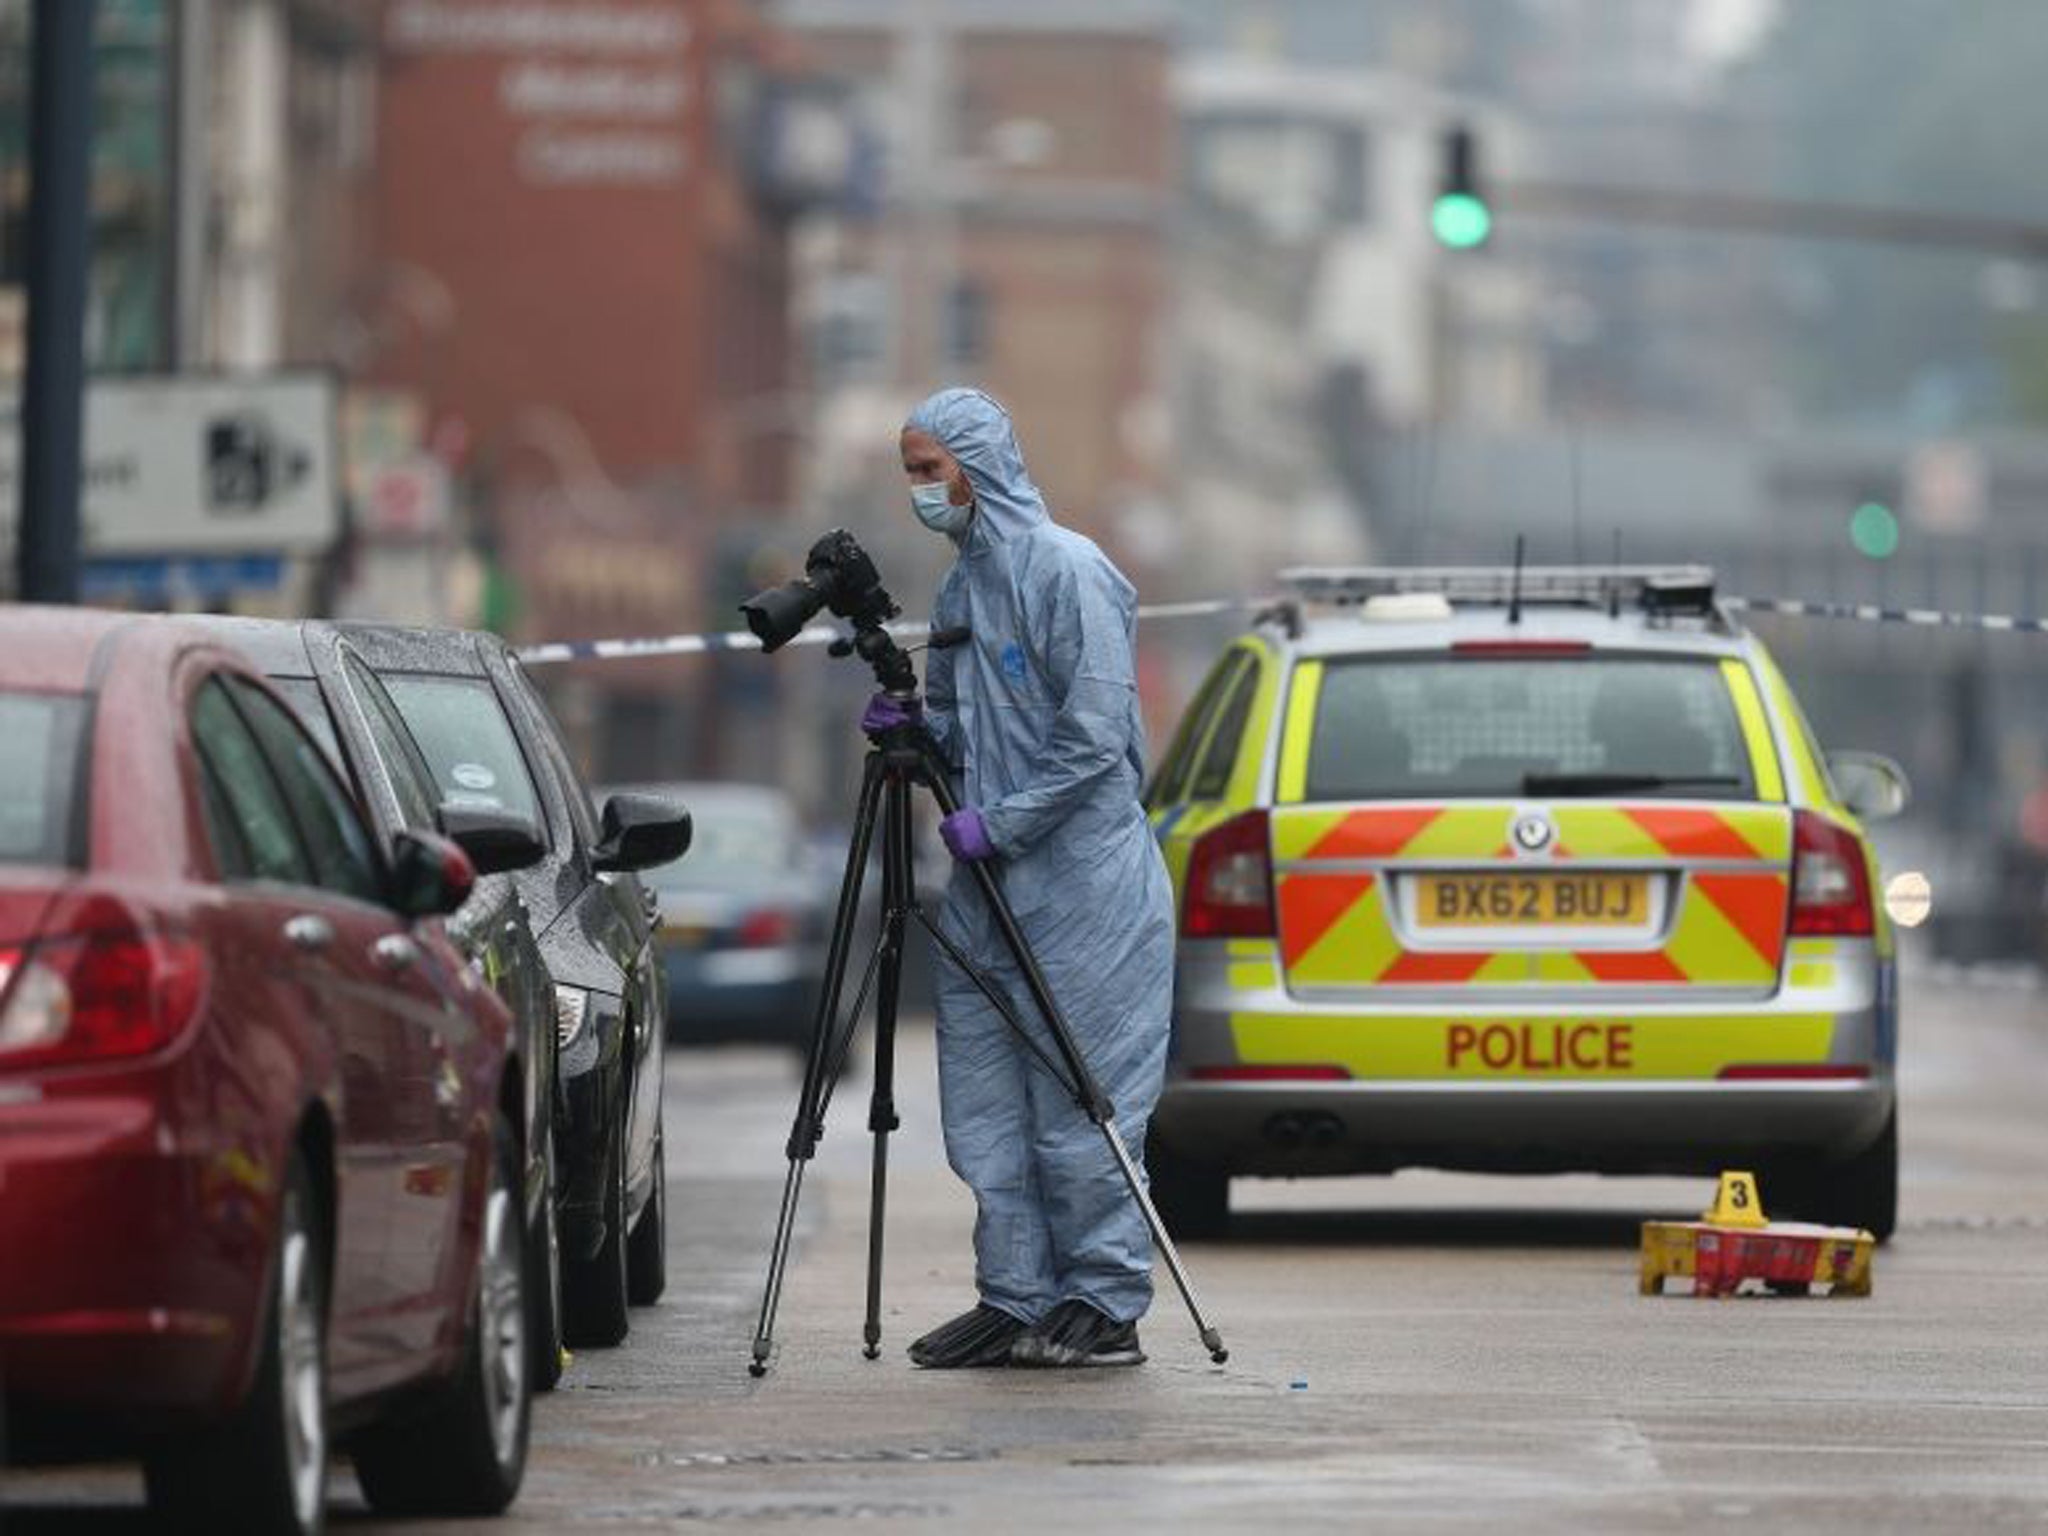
{"x": 1425, "y": 1351}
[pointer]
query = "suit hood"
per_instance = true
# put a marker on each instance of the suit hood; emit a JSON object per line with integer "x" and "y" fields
{"x": 976, "y": 430}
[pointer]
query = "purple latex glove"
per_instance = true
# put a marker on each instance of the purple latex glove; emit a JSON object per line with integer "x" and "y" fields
{"x": 885, "y": 713}
{"x": 966, "y": 836}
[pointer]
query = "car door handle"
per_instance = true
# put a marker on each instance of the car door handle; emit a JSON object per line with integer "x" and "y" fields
{"x": 394, "y": 952}
{"x": 309, "y": 933}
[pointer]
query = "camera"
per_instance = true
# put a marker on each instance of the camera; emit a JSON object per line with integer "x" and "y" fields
{"x": 839, "y": 575}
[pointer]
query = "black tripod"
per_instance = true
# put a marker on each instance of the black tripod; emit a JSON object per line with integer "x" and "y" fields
{"x": 904, "y": 758}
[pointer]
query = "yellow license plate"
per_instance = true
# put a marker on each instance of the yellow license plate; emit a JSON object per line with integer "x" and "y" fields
{"x": 1532, "y": 901}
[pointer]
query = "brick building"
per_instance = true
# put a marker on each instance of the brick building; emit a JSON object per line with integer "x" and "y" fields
{"x": 581, "y": 257}
{"x": 1021, "y": 242}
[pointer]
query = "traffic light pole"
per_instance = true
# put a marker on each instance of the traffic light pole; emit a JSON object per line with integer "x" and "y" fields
{"x": 1463, "y": 213}
{"x": 1726, "y": 213}
{"x": 58, "y": 262}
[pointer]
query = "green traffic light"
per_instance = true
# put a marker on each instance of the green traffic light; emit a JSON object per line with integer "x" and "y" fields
{"x": 1874, "y": 530}
{"x": 1461, "y": 221}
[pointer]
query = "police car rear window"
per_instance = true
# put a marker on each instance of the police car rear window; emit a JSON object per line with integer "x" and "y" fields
{"x": 1446, "y": 727}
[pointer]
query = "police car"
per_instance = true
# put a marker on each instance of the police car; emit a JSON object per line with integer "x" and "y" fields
{"x": 1522, "y": 872}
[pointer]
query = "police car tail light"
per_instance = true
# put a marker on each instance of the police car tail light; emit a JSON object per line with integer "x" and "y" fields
{"x": 1230, "y": 882}
{"x": 1830, "y": 880}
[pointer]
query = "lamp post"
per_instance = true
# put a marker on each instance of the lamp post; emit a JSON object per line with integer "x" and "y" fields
{"x": 58, "y": 265}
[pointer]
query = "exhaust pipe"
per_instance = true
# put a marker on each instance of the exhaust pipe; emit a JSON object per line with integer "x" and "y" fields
{"x": 1322, "y": 1132}
{"x": 1285, "y": 1132}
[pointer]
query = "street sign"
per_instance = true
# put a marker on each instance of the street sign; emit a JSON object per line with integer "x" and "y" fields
{"x": 213, "y": 465}
{"x": 186, "y": 581}
{"x": 405, "y": 500}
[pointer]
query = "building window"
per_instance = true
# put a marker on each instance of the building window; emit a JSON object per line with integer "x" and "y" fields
{"x": 1289, "y": 178}
{"x": 967, "y": 323}
{"x": 849, "y": 339}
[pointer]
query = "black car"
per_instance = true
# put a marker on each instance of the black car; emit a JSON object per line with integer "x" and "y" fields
{"x": 494, "y": 748}
{"x": 337, "y": 696}
{"x": 745, "y": 918}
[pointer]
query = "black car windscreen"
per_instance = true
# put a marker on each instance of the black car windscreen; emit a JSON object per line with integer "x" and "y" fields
{"x": 468, "y": 743}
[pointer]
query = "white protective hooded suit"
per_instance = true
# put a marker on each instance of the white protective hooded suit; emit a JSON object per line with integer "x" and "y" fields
{"x": 1038, "y": 715}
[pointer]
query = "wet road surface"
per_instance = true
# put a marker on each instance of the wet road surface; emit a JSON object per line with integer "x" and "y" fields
{"x": 1424, "y": 1351}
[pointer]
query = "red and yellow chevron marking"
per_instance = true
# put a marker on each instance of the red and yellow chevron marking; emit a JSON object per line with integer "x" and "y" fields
{"x": 1729, "y": 929}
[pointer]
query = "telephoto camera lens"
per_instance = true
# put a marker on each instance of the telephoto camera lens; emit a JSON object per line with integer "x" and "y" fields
{"x": 778, "y": 615}
{"x": 838, "y": 574}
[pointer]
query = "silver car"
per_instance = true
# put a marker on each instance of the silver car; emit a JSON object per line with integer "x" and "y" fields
{"x": 1532, "y": 872}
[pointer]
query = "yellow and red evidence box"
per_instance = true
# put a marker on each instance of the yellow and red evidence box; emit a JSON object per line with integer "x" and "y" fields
{"x": 1734, "y": 1242}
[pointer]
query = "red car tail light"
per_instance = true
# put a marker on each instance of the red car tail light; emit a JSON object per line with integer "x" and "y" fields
{"x": 767, "y": 928}
{"x": 102, "y": 995}
{"x": 1830, "y": 880}
{"x": 1230, "y": 882}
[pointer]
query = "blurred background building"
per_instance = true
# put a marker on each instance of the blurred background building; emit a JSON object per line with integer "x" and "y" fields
{"x": 1016, "y": 233}
{"x": 615, "y": 304}
{"x": 581, "y": 271}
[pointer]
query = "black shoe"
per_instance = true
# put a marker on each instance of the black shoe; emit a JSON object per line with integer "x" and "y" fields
{"x": 1074, "y": 1333}
{"x": 973, "y": 1339}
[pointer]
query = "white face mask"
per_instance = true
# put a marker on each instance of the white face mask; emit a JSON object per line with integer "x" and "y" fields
{"x": 935, "y": 510}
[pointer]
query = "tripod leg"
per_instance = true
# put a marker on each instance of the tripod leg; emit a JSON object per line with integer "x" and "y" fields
{"x": 1087, "y": 1091}
{"x": 1212, "y": 1340}
{"x": 808, "y": 1124}
{"x": 996, "y": 1000}
{"x": 898, "y": 897}
{"x": 818, "y": 1061}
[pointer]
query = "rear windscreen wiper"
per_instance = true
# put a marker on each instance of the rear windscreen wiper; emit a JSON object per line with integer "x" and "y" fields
{"x": 1621, "y": 783}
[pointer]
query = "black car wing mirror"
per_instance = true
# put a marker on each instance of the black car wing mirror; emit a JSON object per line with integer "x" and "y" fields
{"x": 497, "y": 842}
{"x": 638, "y": 832}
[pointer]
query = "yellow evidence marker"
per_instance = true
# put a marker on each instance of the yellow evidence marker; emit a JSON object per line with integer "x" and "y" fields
{"x": 1736, "y": 1242}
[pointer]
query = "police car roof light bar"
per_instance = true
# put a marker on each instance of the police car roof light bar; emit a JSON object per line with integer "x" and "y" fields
{"x": 1663, "y": 590}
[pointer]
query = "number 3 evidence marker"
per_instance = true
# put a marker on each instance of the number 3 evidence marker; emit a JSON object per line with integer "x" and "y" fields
{"x": 1735, "y": 1242}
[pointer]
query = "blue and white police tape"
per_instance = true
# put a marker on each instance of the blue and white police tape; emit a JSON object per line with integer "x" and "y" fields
{"x": 817, "y": 634}
{"x": 1870, "y": 613}
{"x": 821, "y": 634}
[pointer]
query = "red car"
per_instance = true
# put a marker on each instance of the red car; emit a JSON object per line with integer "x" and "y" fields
{"x": 259, "y": 1159}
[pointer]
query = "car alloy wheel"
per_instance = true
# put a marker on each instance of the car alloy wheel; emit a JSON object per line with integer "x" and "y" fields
{"x": 302, "y": 1361}
{"x": 596, "y": 1288}
{"x": 544, "y": 1285}
{"x": 501, "y": 1320}
{"x": 462, "y": 1449}
{"x": 647, "y": 1249}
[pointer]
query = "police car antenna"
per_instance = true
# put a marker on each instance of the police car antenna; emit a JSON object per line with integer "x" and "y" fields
{"x": 1578, "y": 501}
